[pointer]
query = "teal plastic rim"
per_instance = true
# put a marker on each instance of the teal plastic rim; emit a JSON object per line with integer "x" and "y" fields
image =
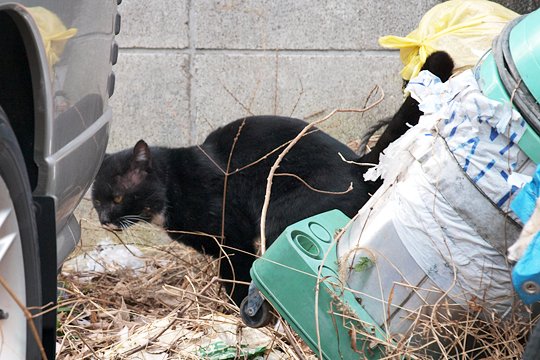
{"x": 488, "y": 79}
{"x": 524, "y": 44}
{"x": 491, "y": 86}
{"x": 530, "y": 144}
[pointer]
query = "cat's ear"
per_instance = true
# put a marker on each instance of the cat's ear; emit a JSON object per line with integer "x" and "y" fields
{"x": 141, "y": 156}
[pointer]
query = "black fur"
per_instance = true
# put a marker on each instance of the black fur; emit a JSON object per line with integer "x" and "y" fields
{"x": 440, "y": 64}
{"x": 187, "y": 184}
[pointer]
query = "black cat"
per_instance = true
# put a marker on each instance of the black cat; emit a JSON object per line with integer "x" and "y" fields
{"x": 183, "y": 189}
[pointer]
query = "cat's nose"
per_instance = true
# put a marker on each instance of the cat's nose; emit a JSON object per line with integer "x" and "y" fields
{"x": 105, "y": 220}
{"x": 107, "y": 224}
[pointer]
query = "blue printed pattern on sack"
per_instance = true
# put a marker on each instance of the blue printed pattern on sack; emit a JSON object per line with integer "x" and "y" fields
{"x": 481, "y": 133}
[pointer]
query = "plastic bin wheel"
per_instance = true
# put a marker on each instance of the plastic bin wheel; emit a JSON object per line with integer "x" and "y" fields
{"x": 261, "y": 318}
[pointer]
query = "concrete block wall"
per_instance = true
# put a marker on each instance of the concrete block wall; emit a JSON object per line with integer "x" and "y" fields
{"x": 188, "y": 66}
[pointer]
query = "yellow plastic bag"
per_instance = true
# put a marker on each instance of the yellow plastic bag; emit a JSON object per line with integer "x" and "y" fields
{"x": 53, "y": 32}
{"x": 462, "y": 28}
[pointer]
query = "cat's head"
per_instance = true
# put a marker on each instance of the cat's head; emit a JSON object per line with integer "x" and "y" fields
{"x": 128, "y": 189}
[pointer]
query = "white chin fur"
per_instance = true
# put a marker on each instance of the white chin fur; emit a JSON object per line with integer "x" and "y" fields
{"x": 111, "y": 227}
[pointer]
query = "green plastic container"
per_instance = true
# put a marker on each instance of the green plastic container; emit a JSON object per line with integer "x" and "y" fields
{"x": 489, "y": 81}
{"x": 525, "y": 49}
{"x": 287, "y": 277}
{"x": 491, "y": 85}
{"x": 524, "y": 45}
{"x": 530, "y": 144}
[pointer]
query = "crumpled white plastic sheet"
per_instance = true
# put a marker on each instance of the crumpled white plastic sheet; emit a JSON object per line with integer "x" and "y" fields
{"x": 107, "y": 256}
{"x": 481, "y": 133}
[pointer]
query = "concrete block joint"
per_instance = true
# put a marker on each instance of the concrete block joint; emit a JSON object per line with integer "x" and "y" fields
{"x": 188, "y": 66}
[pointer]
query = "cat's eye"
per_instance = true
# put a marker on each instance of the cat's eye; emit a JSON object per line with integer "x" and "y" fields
{"x": 118, "y": 199}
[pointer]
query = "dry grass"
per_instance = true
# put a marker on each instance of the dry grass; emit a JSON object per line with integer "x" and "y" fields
{"x": 170, "y": 307}
{"x": 447, "y": 331}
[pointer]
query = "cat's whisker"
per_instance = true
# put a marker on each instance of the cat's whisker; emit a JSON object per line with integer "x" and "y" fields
{"x": 134, "y": 218}
{"x": 131, "y": 219}
{"x": 124, "y": 226}
{"x": 128, "y": 222}
{"x": 131, "y": 236}
{"x": 139, "y": 221}
{"x": 129, "y": 230}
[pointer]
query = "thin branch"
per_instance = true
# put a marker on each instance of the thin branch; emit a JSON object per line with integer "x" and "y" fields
{"x": 254, "y": 93}
{"x": 225, "y": 183}
{"x": 315, "y": 114}
{"x": 354, "y": 162}
{"x": 211, "y": 159}
{"x": 274, "y": 167}
{"x": 301, "y": 355}
{"x": 86, "y": 344}
{"x": 276, "y": 89}
{"x": 246, "y": 108}
{"x": 298, "y": 98}
{"x": 264, "y": 157}
{"x": 349, "y": 189}
{"x": 373, "y": 91}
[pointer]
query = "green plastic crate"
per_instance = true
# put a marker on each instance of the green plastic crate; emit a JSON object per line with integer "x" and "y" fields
{"x": 287, "y": 277}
